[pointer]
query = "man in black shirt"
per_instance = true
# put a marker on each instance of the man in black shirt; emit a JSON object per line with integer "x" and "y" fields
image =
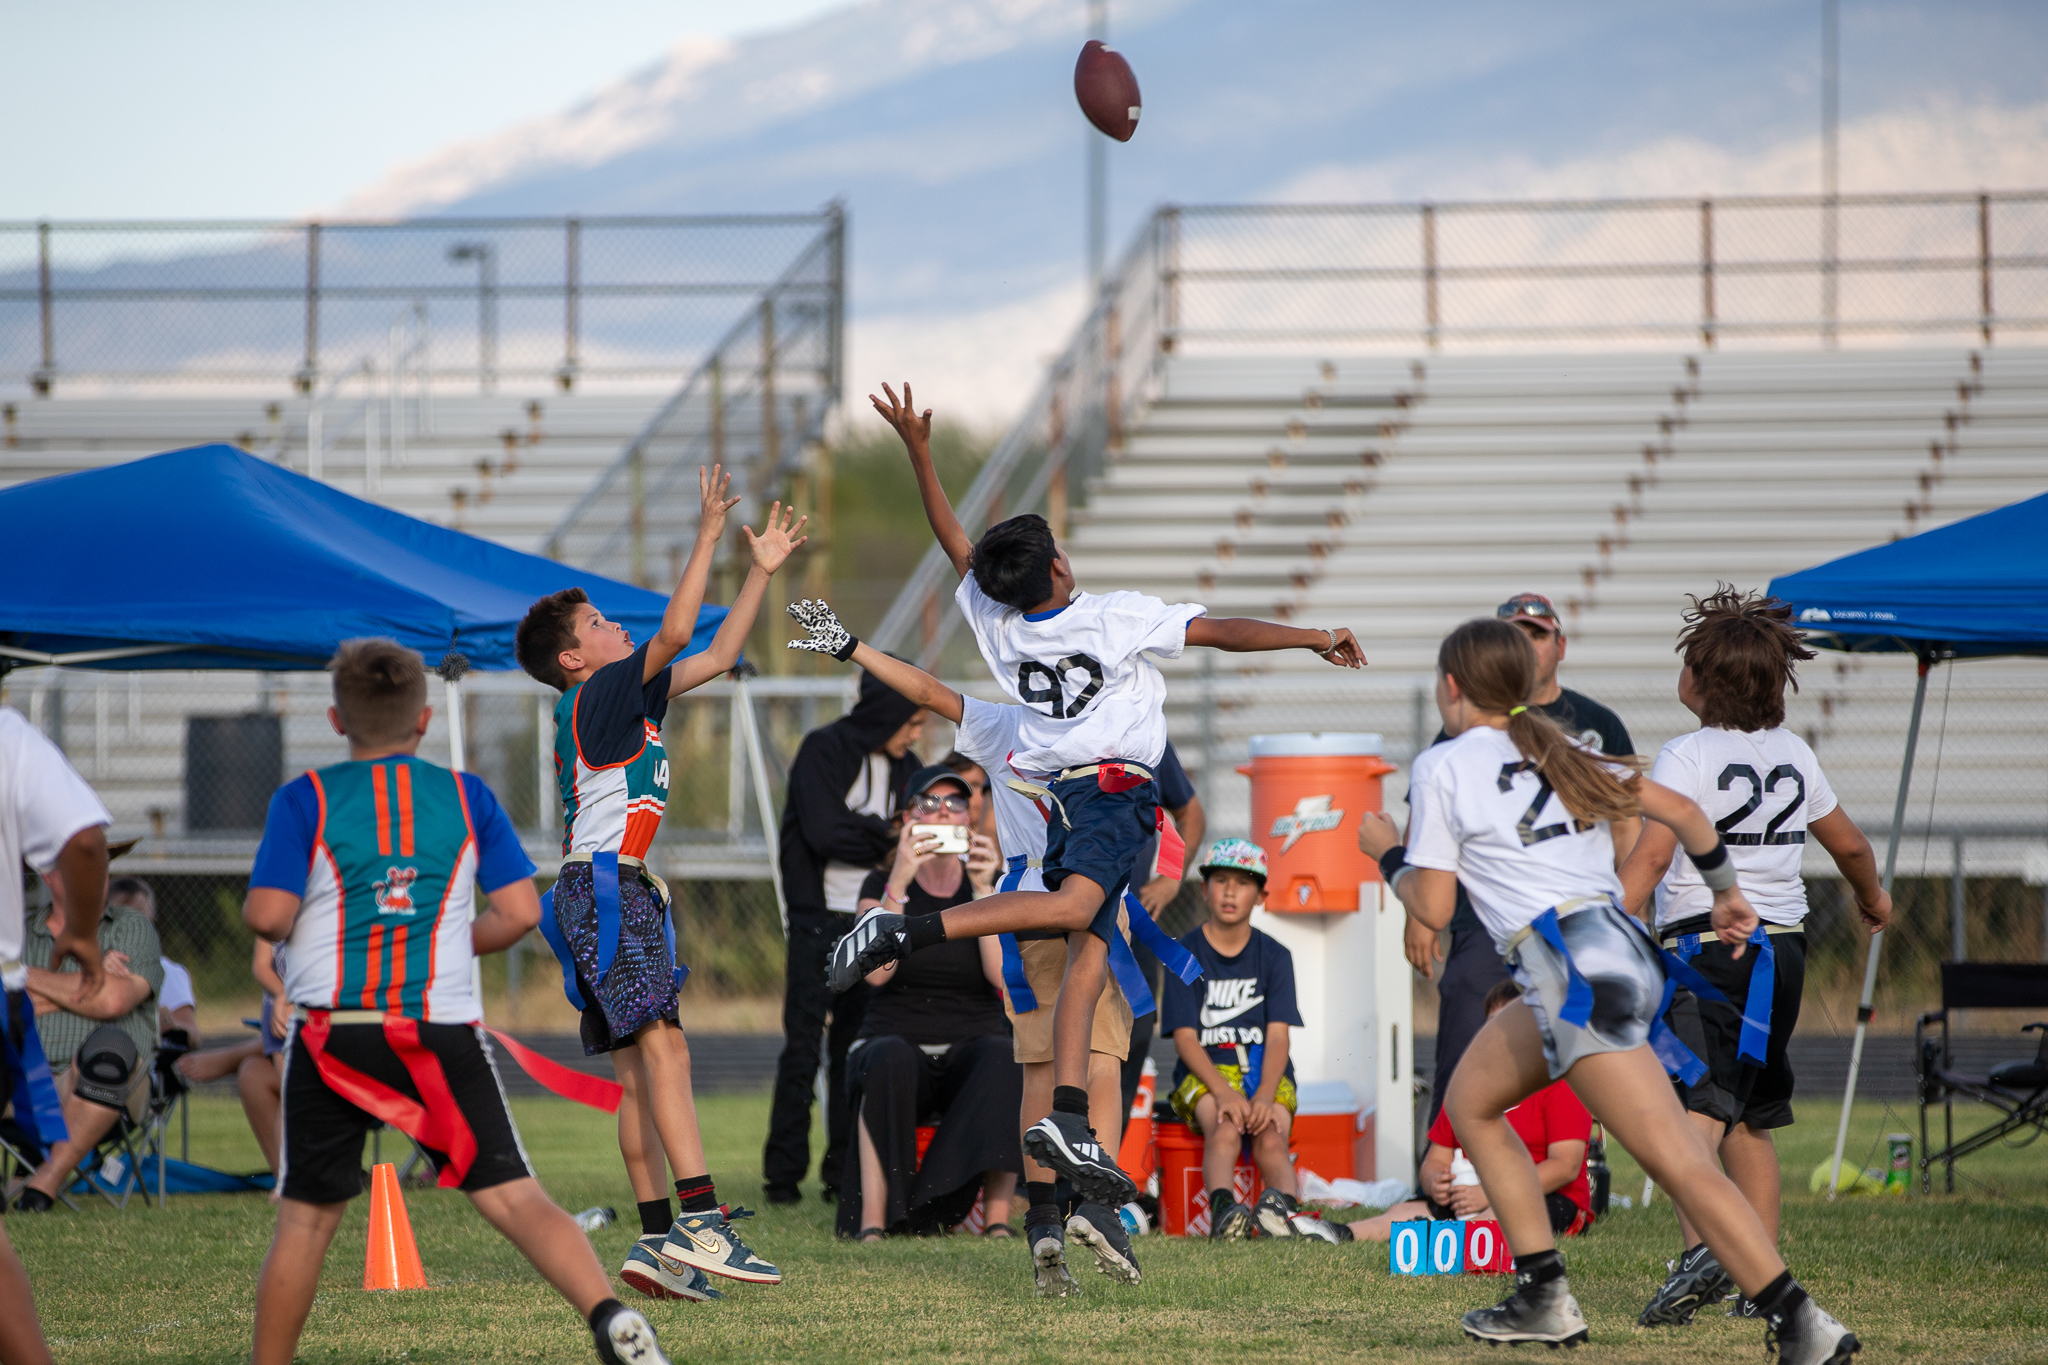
{"x": 1473, "y": 967}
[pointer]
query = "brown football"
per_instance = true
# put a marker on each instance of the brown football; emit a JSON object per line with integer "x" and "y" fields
{"x": 1107, "y": 90}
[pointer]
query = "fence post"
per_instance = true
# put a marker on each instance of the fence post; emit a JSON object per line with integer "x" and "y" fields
{"x": 1984, "y": 266}
{"x": 1112, "y": 381}
{"x": 1208, "y": 731}
{"x": 1429, "y": 299}
{"x": 1169, "y": 278}
{"x": 46, "y": 373}
{"x": 543, "y": 766}
{"x": 1958, "y": 925}
{"x": 572, "y": 281}
{"x": 1707, "y": 318}
{"x": 309, "y": 368}
{"x": 636, "y": 514}
{"x": 835, "y": 377}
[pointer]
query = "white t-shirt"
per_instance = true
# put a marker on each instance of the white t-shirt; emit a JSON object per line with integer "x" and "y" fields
{"x": 1479, "y": 809}
{"x": 43, "y": 802}
{"x": 989, "y": 735}
{"x": 869, "y": 795}
{"x": 177, "y": 991}
{"x": 1081, "y": 674}
{"x": 1761, "y": 790}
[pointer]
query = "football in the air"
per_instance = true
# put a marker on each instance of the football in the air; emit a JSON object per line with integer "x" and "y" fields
{"x": 1107, "y": 90}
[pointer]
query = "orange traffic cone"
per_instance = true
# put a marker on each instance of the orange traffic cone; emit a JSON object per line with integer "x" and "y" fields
{"x": 1135, "y": 1155}
{"x": 394, "y": 1260}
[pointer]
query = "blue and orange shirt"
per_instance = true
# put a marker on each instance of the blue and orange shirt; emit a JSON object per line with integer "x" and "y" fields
{"x": 385, "y": 856}
{"x": 610, "y": 761}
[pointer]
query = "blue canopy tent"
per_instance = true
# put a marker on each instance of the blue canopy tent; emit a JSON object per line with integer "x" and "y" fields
{"x": 1976, "y": 589}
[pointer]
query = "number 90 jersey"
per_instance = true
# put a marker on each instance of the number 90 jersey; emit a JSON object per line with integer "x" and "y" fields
{"x": 1761, "y": 790}
{"x": 1481, "y": 810}
{"x": 1088, "y": 692}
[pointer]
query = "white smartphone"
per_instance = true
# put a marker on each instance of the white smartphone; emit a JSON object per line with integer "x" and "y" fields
{"x": 952, "y": 838}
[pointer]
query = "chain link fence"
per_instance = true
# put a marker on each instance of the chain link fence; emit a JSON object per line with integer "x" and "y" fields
{"x": 617, "y": 301}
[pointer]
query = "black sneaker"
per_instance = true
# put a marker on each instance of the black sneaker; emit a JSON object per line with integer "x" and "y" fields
{"x": 1534, "y": 1312}
{"x": 1808, "y": 1336}
{"x": 1743, "y": 1306}
{"x": 1275, "y": 1212}
{"x": 626, "y": 1338}
{"x": 1696, "y": 1280}
{"x": 1049, "y": 1260}
{"x": 1231, "y": 1223}
{"x": 876, "y": 939}
{"x": 33, "y": 1201}
{"x": 1102, "y": 1231}
{"x": 1066, "y": 1143}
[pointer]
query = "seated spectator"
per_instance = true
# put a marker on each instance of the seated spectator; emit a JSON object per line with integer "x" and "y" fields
{"x": 128, "y": 945}
{"x": 981, "y": 816}
{"x": 257, "y": 1065}
{"x": 1552, "y": 1124}
{"x": 176, "y": 1006}
{"x": 934, "y": 1041}
{"x": 1235, "y": 1083}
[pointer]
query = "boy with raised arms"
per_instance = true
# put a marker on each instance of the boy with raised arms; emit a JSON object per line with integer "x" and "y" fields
{"x": 1093, "y": 729}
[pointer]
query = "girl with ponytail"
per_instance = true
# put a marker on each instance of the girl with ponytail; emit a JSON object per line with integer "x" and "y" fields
{"x": 1519, "y": 812}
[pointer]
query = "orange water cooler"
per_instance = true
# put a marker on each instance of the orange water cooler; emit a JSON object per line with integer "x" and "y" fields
{"x": 1326, "y": 904}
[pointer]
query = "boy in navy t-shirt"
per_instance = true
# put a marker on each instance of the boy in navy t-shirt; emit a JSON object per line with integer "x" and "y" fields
{"x": 1235, "y": 1082}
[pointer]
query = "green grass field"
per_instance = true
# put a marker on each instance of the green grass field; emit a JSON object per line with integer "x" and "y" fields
{"x": 1948, "y": 1279}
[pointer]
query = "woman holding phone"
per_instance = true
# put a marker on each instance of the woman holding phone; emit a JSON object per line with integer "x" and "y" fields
{"x": 934, "y": 1040}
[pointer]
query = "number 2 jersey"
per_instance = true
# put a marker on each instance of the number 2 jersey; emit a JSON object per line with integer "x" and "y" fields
{"x": 1080, "y": 672}
{"x": 1481, "y": 810}
{"x": 1761, "y": 789}
{"x": 610, "y": 761}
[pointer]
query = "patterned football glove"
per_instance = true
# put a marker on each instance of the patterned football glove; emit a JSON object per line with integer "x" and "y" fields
{"x": 827, "y": 635}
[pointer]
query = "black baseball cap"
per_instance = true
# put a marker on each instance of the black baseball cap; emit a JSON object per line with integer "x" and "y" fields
{"x": 1529, "y": 606}
{"x": 924, "y": 779}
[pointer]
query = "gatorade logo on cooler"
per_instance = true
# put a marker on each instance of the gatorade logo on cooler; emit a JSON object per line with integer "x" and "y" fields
{"x": 1311, "y": 814}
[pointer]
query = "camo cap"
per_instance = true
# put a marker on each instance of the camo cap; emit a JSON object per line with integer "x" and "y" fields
{"x": 1239, "y": 855}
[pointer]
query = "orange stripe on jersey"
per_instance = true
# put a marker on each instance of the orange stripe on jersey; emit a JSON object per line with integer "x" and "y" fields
{"x": 641, "y": 827}
{"x": 403, "y": 773}
{"x": 396, "y": 988}
{"x": 373, "y": 970}
{"x": 340, "y": 887}
{"x": 383, "y": 802}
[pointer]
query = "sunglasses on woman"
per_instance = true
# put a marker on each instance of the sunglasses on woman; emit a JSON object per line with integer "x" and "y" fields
{"x": 932, "y": 805}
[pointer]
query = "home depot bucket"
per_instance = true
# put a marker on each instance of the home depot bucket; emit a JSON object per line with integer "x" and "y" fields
{"x": 1183, "y": 1200}
{"x": 1309, "y": 792}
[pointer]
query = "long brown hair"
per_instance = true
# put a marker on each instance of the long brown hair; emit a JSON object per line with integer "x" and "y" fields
{"x": 1741, "y": 648}
{"x": 1495, "y": 666}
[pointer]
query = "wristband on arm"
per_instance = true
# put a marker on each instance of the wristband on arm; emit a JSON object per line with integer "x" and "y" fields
{"x": 1394, "y": 866}
{"x": 1715, "y": 867}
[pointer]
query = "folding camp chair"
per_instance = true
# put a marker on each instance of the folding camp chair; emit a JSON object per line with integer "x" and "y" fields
{"x": 116, "y": 1168}
{"x": 2018, "y": 1090}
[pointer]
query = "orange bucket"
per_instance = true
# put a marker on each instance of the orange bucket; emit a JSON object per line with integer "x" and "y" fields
{"x": 1308, "y": 794}
{"x": 1183, "y": 1198}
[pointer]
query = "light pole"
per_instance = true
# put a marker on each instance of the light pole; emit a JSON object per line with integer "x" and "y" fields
{"x": 1098, "y": 171}
{"x": 1830, "y": 165}
{"x": 486, "y": 307}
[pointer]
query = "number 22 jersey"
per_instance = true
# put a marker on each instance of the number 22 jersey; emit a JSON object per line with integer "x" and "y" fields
{"x": 1481, "y": 810}
{"x": 1080, "y": 672}
{"x": 1761, "y": 789}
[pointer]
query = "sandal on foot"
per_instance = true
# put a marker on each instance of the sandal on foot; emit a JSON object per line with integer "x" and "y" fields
{"x": 999, "y": 1230}
{"x": 872, "y": 1235}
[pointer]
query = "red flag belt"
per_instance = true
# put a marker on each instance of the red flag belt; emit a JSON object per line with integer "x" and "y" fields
{"x": 569, "y": 1083}
{"x": 434, "y": 1120}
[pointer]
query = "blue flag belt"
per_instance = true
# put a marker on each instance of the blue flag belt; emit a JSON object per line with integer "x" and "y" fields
{"x": 1129, "y": 976}
{"x": 604, "y": 876}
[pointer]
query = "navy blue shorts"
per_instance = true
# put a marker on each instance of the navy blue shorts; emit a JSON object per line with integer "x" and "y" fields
{"x": 1109, "y": 844}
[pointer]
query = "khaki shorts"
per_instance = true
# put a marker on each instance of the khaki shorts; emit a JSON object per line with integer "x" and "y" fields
{"x": 1045, "y": 963}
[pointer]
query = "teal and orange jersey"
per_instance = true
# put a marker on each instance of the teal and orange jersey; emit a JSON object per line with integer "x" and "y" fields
{"x": 610, "y": 760}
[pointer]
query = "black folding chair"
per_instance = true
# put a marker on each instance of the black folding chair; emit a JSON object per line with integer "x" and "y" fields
{"x": 2018, "y": 1090}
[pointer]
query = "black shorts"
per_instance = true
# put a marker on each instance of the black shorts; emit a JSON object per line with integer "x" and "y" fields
{"x": 1110, "y": 839}
{"x": 1564, "y": 1214}
{"x": 323, "y": 1133}
{"x": 1736, "y": 1089}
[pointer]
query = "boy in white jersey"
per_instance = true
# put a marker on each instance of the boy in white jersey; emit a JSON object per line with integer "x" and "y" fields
{"x": 1519, "y": 814}
{"x": 608, "y": 915}
{"x": 989, "y": 734}
{"x": 1094, "y": 727}
{"x": 1765, "y": 792}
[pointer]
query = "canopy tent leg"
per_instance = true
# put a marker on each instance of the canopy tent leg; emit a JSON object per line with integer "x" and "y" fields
{"x": 758, "y": 767}
{"x": 1891, "y": 861}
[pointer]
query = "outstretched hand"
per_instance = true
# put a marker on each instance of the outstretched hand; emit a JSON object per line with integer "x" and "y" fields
{"x": 775, "y": 544}
{"x": 1343, "y": 651}
{"x": 915, "y": 428}
{"x": 818, "y": 619}
{"x": 714, "y": 504}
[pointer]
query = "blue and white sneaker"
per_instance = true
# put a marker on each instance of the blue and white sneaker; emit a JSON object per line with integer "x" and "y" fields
{"x": 658, "y": 1277}
{"x": 707, "y": 1241}
{"x": 1066, "y": 1143}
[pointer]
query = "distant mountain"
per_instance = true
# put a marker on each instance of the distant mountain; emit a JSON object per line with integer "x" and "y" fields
{"x": 949, "y": 128}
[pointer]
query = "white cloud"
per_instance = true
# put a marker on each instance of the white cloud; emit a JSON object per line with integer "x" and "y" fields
{"x": 979, "y": 368}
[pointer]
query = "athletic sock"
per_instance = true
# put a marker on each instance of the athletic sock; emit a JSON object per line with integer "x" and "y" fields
{"x": 1219, "y": 1198}
{"x": 656, "y": 1215}
{"x": 1065, "y": 1197}
{"x": 1067, "y": 1099}
{"x": 1039, "y": 1203}
{"x": 1539, "y": 1267}
{"x": 1780, "y": 1297}
{"x": 925, "y": 931}
{"x": 697, "y": 1194}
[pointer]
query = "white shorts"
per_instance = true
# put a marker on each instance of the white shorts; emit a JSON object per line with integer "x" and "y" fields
{"x": 1618, "y": 961}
